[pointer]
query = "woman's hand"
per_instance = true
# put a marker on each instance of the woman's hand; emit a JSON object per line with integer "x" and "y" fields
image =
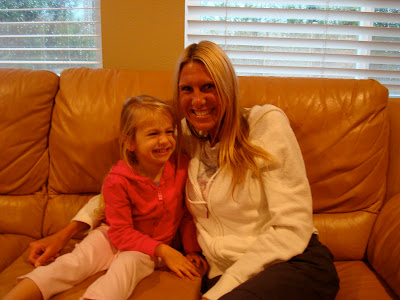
{"x": 198, "y": 260}
{"x": 176, "y": 262}
{"x": 46, "y": 250}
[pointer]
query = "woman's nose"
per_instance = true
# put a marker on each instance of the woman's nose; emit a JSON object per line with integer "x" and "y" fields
{"x": 198, "y": 100}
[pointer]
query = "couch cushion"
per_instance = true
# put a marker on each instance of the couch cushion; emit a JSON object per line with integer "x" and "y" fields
{"x": 22, "y": 214}
{"x": 393, "y": 180}
{"x": 334, "y": 233}
{"x": 20, "y": 267}
{"x": 161, "y": 284}
{"x": 12, "y": 246}
{"x": 60, "y": 210}
{"x": 83, "y": 138}
{"x": 359, "y": 282}
{"x": 26, "y": 103}
{"x": 384, "y": 246}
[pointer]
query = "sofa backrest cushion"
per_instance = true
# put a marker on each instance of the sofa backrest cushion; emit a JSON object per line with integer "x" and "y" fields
{"x": 85, "y": 127}
{"x": 26, "y": 103}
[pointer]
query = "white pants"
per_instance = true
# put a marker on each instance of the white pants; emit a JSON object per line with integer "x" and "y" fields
{"x": 94, "y": 254}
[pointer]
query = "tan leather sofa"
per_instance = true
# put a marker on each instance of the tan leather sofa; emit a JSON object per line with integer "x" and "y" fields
{"x": 58, "y": 139}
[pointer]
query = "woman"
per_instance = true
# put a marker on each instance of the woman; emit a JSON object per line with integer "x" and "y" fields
{"x": 247, "y": 190}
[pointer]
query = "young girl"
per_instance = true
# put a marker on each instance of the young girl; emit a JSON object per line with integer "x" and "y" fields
{"x": 143, "y": 205}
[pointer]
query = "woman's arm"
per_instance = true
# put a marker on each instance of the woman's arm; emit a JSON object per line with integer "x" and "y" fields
{"x": 47, "y": 249}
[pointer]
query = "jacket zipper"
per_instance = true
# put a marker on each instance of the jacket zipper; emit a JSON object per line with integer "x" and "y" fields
{"x": 160, "y": 197}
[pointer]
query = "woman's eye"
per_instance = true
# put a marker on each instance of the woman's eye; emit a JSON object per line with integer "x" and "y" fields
{"x": 208, "y": 86}
{"x": 186, "y": 89}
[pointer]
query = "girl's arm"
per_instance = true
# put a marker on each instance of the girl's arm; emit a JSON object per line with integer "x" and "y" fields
{"x": 188, "y": 235}
{"x": 176, "y": 262}
{"x": 191, "y": 247}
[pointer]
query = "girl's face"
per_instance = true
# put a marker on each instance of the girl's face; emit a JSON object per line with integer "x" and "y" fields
{"x": 199, "y": 99}
{"x": 154, "y": 141}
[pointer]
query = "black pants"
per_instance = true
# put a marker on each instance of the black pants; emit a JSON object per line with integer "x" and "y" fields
{"x": 310, "y": 275}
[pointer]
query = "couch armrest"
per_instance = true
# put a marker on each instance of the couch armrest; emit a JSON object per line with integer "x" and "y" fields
{"x": 384, "y": 244}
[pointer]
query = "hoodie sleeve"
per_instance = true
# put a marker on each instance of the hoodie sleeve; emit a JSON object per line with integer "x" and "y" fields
{"x": 118, "y": 211}
{"x": 87, "y": 214}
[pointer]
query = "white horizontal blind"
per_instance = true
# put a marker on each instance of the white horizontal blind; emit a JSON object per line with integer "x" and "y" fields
{"x": 50, "y": 34}
{"x": 312, "y": 38}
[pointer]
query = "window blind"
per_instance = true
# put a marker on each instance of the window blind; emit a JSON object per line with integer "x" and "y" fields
{"x": 312, "y": 38}
{"x": 50, "y": 34}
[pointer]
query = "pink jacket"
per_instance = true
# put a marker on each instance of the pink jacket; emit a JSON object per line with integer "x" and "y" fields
{"x": 142, "y": 215}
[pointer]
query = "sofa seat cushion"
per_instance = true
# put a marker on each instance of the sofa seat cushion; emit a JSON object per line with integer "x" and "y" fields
{"x": 12, "y": 246}
{"x": 20, "y": 266}
{"x": 168, "y": 285}
{"x": 161, "y": 284}
{"x": 358, "y": 281}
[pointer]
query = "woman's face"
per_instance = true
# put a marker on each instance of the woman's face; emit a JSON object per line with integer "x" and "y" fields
{"x": 199, "y": 99}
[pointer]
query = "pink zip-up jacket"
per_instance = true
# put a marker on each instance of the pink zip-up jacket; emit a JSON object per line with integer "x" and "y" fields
{"x": 143, "y": 215}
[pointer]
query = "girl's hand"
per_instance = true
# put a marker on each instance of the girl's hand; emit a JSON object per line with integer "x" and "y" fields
{"x": 176, "y": 262}
{"x": 198, "y": 260}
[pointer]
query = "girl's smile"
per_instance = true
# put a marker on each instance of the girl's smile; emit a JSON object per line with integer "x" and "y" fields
{"x": 153, "y": 144}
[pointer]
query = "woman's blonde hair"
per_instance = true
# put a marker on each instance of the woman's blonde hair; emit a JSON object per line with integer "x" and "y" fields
{"x": 236, "y": 152}
{"x": 134, "y": 111}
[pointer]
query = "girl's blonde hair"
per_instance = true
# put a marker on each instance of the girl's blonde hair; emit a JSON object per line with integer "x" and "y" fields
{"x": 134, "y": 111}
{"x": 236, "y": 152}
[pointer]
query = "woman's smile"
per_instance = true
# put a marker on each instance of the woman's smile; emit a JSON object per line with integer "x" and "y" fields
{"x": 199, "y": 98}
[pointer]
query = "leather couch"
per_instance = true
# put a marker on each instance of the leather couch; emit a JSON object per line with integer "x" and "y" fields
{"x": 58, "y": 139}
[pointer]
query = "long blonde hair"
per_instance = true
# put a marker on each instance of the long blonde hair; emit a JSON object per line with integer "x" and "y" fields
{"x": 236, "y": 152}
{"x": 134, "y": 111}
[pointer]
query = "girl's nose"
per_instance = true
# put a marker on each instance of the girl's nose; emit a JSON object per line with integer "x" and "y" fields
{"x": 163, "y": 139}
